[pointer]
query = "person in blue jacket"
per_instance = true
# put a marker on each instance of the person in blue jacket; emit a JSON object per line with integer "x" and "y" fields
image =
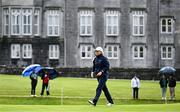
{"x": 100, "y": 70}
{"x": 34, "y": 80}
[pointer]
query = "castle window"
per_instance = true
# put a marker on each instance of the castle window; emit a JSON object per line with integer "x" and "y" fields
{"x": 6, "y": 21}
{"x": 15, "y": 51}
{"x": 112, "y": 51}
{"x": 86, "y": 51}
{"x": 53, "y": 20}
{"x": 27, "y": 51}
{"x": 166, "y": 52}
{"x": 138, "y": 51}
{"x": 86, "y": 22}
{"x": 166, "y": 25}
{"x": 138, "y": 23}
{"x": 15, "y": 21}
{"x": 27, "y": 21}
{"x": 53, "y": 51}
{"x": 112, "y": 23}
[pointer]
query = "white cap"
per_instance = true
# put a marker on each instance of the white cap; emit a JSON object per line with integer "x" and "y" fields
{"x": 99, "y": 49}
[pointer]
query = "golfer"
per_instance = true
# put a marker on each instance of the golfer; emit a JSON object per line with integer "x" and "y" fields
{"x": 100, "y": 70}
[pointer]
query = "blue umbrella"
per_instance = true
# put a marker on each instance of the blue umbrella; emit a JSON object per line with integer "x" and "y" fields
{"x": 51, "y": 71}
{"x": 29, "y": 70}
{"x": 167, "y": 70}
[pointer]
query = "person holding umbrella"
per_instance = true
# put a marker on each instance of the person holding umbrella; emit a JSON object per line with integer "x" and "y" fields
{"x": 100, "y": 70}
{"x": 31, "y": 71}
{"x": 167, "y": 70}
{"x": 163, "y": 84}
{"x": 45, "y": 83}
{"x": 34, "y": 80}
{"x": 47, "y": 73}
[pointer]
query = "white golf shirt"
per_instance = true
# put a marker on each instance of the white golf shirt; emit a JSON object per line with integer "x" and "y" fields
{"x": 135, "y": 82}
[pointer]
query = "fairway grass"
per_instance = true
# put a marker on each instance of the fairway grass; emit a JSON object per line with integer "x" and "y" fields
{"x": 85, "y": 108}
{"x": 71, "y": 95}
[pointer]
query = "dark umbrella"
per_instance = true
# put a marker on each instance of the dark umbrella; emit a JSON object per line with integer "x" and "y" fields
{"x": 51, "y": 71}
{"x": 167, "y": 70}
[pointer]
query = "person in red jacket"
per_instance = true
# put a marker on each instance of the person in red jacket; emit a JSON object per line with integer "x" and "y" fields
{"x": 45, "y": 84}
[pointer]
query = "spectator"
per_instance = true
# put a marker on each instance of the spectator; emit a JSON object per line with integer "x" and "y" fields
{"x": 163, "y": 84}
{"x": 135, "y": 84}
{"x": 34, "y": 80}
{"x": 45, "y": 84}
{"x": 172, "y": 85}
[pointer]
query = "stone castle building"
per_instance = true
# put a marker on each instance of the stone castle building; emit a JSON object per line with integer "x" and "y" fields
{"x": 64, "y": 33}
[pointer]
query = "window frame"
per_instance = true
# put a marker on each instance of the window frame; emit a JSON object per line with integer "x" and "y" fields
{"x": 111, "y": 14}
{"x": 86, "y": 51}
{"x": 139, "y": 52}
{"x": 51, "y": 12}
{"x": 112, "y": 51}
{"x": 28, "y": 51}
{"x": 53, "y": 52}
{"x": 167, "y": 52}
{"x": 13, "y": 52}
{"x": 6, "y": 23}
{"x": 138, "y": 14}
{"x": 36, "y": 13}
{"x": 86, "y": 14}
{"x": 166, "y": 25}
{"x": 26, "y": 14}
{"x": 16, "y": 24}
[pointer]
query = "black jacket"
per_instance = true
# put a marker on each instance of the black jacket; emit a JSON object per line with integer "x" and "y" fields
{"x": 172, "y": 82}
{"x": 100, "y": 64}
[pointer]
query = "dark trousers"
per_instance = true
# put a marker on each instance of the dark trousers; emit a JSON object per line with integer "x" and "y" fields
{"x": 135, "y": 93}
{"x": 102, "y": 86}
{"x": 45, "y": 86}
{"x": 33, "y": 87}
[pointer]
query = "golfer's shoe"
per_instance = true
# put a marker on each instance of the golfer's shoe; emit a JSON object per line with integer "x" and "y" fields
{"x": 109, "y": 104}
{"x": 91, "y": 102}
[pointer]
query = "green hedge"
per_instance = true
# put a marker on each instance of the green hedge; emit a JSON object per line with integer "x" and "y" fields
{"x": 115, "y": 73}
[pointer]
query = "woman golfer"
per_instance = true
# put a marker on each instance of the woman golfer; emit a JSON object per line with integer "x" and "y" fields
{"x": 100, "y": 70}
